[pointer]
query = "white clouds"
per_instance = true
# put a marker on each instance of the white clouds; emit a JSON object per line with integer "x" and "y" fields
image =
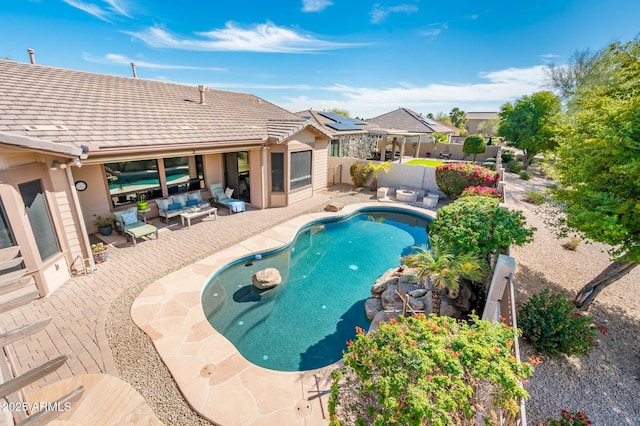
{"x": 114, "y": 58}
{"x": 501, "y": 86}
{"x": 265, "y": 37}
{"x": 91, "y": 9}
{"x": 113, "y": 7}
{"x": 315, "y": 5}
{"x": 380, "y": 12}
{"x": 434, "y": 30}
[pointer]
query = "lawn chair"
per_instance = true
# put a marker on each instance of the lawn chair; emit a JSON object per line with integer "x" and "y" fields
{"x": 128, "y": 224}
{"x": 221, "y": 199}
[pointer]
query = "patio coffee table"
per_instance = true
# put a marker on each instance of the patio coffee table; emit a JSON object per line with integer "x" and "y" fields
{"x": 190, "y": 214}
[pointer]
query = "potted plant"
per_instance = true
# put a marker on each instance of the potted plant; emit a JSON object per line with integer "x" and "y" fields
{"x": 100, "y": 252}
{"x": 104, "y": 224}
{"x": 143, "y": 204}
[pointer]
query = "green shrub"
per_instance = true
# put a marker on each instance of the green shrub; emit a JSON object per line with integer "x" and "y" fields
{"x": 490, "y": 160}
{"x": 553, "y": 325}
{"x": 519, "y": 157}
{"x": 478, "y": 224}
{"x": 453, "y": 178}
{"x": 535, "y": 197}
{"x": 360, "y": 173}
{"x": 474, "y": 144}
{"x": 514, "y": 166}
{"x": 568, "y": 418}
{"x": 490, "y": 166}
{"x": 525, "y": 175}
{"x": 506, "y": 156}
{"x": 426, "y": 370}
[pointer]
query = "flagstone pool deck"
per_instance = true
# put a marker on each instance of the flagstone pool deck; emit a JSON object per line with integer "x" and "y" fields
{"x": 214, "y": 378}
{"x": 81, "y": 309}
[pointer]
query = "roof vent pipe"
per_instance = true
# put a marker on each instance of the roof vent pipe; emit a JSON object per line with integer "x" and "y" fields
{"x": 201, "y": 89}
{"x": 32, "y": 56}
{"x": 133, "y": 68}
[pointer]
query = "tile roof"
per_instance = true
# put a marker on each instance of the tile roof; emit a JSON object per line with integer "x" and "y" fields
{"x": 106, "y": 112}
{"x": 404, "y": 118}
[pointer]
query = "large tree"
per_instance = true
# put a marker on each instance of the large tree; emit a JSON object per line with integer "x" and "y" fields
{"x": 599, "y": 164}
{"x": 458, "y": 118}
{"x": 530, "y": 124}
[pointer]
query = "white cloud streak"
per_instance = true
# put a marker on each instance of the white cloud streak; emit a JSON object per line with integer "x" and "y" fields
{"x": 265, "y": 37}
{"x": 113, "y": 8}
{"x": 379, "y": 13}
{"x": 117, "y": 59}
{"x": 315, "y": 5}
{"x": 90, "y": 8}
{"x": 502, "y": 86}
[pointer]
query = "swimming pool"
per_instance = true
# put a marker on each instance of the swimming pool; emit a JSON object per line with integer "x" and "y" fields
{"x": 327, "y": 273}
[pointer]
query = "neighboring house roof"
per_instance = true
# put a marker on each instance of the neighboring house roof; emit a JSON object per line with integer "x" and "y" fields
{"x": 107, "y": 113}
{"x": 334, "y": 124}
{"x": 482, "y": 116}
{"x": 404, "y": 118}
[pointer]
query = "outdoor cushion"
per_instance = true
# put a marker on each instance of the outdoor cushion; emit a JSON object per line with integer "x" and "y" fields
{"x": 192, "y": 202}
{"x": 118, "y": 215}
{"x": 129, "y": 218}
{"x": 163, "y": 204}
{"x": 175, "y": 206}
{"x": 220, "y": 196}
{"x": 195, "y": 196}
{"x": 180, "y": 199}
{"x": 228, "y": 192}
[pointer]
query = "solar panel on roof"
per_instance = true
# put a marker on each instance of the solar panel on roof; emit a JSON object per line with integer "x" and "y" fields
{"x": 340, "y": 118}
{"x": 343, "y": 126}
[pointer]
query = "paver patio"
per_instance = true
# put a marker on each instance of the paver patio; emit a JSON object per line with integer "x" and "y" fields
{"x": 79, "y": 307}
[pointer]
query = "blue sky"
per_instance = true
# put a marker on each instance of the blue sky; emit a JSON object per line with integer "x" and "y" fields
{"x": 368, "y": 57}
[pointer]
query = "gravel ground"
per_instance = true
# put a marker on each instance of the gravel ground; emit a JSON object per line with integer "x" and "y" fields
{"x": 605, "y": 384}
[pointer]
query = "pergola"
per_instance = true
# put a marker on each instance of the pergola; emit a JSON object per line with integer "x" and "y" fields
{"x": 398, "y": 137}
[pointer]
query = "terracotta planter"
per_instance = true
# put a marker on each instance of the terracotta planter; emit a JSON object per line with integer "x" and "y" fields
{"x": 101, "y": 256}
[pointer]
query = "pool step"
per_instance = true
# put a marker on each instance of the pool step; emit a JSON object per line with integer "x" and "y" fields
{"x": 316, "y": 228}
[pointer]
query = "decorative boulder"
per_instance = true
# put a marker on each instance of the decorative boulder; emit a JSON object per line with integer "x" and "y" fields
{"x": 446, "y": 308}
{"x": 415, "y": 304}
{"x": 267, "y": 278}
{"x": 390, "y": 299}
{"x": 380, "y": 286}
{"x": 334, "y": 207}
{"x": 372, "y": 307}
{"x": 418, "y": 293}
{"x": 382, "y": 316}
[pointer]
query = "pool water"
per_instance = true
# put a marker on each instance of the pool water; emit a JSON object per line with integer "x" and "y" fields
{"x": 327, "y": 273}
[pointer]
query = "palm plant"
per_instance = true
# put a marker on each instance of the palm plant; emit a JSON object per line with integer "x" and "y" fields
{"x": 444, "y": 268}
{"x": 376, "y": 169}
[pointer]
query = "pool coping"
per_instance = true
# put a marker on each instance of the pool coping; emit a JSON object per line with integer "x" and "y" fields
{"x": 214, "y": 378}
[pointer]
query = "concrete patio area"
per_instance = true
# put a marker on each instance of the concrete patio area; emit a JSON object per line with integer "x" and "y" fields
{"x": 78, "y": 309}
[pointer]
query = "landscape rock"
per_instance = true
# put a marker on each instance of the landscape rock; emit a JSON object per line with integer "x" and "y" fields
{"x": 372, "y": 307}
{"x": 418, "y": 292}
{"x": 379, "y": 287}
{"x": 390, "y": 299}
{"x": 334, "y": 207}
{"x": 267, "y": 278}
{"x": 382, "y": 316}
{"x": 446, "y": 308}
{"x": 415, "y": 304}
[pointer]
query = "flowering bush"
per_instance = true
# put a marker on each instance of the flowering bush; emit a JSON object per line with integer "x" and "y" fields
{"x": 426, "y": 370}
{"x": 483, "y": 191}
{"x": 453, "y": 178}
{"x": 568, "y": 418}
{"x": 478, "y": 224}
{"x": 553, "y": 325}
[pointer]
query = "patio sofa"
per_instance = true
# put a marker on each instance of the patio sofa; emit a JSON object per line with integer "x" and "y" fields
{"x": 175, "y": 204}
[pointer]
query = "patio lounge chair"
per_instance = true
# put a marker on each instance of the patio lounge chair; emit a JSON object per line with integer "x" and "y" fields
{"x": 128, "y": 224}
{"x": 221, "y": 199}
